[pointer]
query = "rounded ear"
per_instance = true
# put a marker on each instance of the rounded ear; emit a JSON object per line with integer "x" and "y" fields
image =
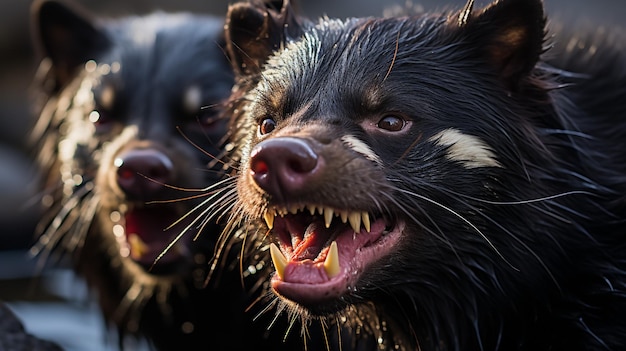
{"x": 66, "y": 35}
{"x": 255, "y": 29}
{"x": 508, "y": 34}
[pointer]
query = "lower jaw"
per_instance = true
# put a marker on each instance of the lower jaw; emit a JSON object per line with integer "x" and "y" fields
{"x": 317, "y": 308}
{"x": 334, "y": 295}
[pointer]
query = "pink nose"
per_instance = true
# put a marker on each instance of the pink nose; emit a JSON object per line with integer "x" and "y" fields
{"x": 284, "y": 166}
{"x": 142, "y": 172}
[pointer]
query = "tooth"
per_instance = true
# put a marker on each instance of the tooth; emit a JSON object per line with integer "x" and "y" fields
{"x": 137, "y": 247}
{"x": 311, "y": 209}
{"x": 320, "y": 210}
{"x": 331, "y": 264}
{"x": 269, "y": 219}
{"x": 366, "y": 220}
{"x": 344, "y": 216}
{"x": 279, "y": 260}
{"x": 355, "y": 221}
{"x": 293, "y": 209}
{"x": 328, "y": 216}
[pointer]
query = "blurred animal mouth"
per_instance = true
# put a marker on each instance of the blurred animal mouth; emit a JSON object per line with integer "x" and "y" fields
{"x": 153, "y": 235}
{"x": 320, "y": 252}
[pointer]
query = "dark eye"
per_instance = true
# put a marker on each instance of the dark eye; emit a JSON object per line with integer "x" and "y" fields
{"x": 267, "y": 126}
{"x": 391, "y": 123}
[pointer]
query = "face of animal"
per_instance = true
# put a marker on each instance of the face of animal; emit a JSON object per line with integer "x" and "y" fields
{"x": 129, "y": 135}
{"x": 418, "y": 169}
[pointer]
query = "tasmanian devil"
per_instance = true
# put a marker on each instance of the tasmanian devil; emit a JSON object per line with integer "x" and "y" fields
{"x": 128, "y": 135}
{"x": 445, "y": 181}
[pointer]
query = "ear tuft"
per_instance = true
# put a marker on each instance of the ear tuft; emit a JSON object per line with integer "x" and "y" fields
{"x": 510, "y": 35}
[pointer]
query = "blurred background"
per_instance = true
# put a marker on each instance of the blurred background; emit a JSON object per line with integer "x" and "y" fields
{"x": 18, "y": 197}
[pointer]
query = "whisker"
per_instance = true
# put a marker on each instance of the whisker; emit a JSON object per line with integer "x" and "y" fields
{"x": 395, "y": 55}
{"x": 182, "y": 199}
{"x": 292, "y": 322}
{"x": 520, "y": 202}
{"x": 59, "y": 225}
{"x": 441, "y": 236}
{"x": 339, "y": 333}
{"x": 201, "y": 205}
{"x": 269, "y": 306}
{"x": 326, "y": 341}
{"x": 185, "y": 229}
{"x": 87, "y": 213}
{"x": 459, "y": 216}
{"x": 217, "y": 184}
{"x": 281, "y": 307}
{"x": 507, "y": 231}
{"x": 198, "y": 147}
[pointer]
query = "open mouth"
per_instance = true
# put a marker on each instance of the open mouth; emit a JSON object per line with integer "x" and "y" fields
{"x": 147, "y": 234}
{"x": 322, "y": 252}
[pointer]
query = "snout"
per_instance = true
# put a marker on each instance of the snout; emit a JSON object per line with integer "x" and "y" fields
{"x": 143, "y": 172}
{"x": 284, "y": 166}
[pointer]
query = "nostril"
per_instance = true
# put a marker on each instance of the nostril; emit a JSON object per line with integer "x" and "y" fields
{"x": 259, "y": 167}
{"x": 125, "y": 173}
{"x": 299, "y": 165}
{"x": 143, "y": 171}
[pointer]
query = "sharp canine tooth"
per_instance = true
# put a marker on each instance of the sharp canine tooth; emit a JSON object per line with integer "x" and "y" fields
{"x": 366, "y": 220}
{"x": 279, "y": 260}
{"x": 328, "y": 216}
{"x": 355, "y": 221}
{"x": 311, "y": 209}
{"x": 137, "y": 247}
{"x": 269, "y": 219}
{"x": 331, "y": 264}
{"x": 344, "y": 216}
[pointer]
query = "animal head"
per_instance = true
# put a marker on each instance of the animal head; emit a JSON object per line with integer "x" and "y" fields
{"x": 129, "y": 134}
{"x": 407, "y": 167}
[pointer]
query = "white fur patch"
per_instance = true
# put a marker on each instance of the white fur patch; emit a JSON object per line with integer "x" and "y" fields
{"x": 466, "y": 149}
{"x": 360, "y": 147}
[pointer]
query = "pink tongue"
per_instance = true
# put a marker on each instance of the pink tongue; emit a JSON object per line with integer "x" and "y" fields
{"x": 308, "y": 268}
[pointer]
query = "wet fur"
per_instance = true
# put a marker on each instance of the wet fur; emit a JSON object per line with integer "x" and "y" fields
{"x": 173, "y": 306}
{"x": 528, "y": 254}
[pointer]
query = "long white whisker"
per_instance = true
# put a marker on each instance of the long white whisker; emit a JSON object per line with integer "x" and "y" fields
{"x": 459, "y": 216}
{"x": 199, "y": 218}
{"x": 441, "y": 236}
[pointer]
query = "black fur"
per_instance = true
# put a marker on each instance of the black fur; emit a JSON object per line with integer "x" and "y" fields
{"x": 519, "y": 244}
{"x": 119, "y": 90}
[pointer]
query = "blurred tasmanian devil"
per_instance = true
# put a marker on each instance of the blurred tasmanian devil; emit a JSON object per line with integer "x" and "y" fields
{"x": 127, "y": 106}
{"x": 437, "y": 181}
